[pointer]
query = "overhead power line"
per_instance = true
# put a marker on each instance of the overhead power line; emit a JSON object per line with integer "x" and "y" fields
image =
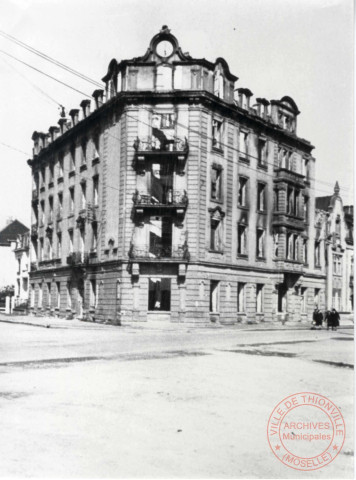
{"x": 46, "y": 74}
{"x": 205, "y": 136}
{"x": 49, "y": 59}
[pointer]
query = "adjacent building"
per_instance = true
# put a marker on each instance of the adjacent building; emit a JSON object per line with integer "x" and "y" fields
{"x": 8, "y": 242}
{"x": 22, "y": 256}
{"x": 173, "y": 194}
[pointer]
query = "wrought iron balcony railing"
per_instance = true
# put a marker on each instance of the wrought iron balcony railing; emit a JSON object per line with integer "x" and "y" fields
{"x": 154, "y": 145}
{"x": 158, "y": 252}
{"x": 171, "y": 198}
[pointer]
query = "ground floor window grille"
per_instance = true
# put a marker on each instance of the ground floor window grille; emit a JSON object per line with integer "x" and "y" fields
{"x": 58, "y": 288}
{"x": 159, "y": 294}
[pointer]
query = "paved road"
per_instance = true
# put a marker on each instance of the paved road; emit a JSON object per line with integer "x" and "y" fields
{"x": 86, "y": 400}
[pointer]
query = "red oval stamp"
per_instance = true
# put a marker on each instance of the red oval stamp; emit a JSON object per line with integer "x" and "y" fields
{"x": 306, "y": 431}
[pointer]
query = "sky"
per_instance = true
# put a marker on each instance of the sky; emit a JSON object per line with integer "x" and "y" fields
{"x": 299, "y": 48}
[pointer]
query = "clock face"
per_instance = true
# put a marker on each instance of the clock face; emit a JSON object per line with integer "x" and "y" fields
{"x": 164, "y": 48}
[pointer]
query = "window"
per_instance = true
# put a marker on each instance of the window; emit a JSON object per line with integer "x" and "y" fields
{"x": 84, "y": 151}
{"x": 60, "y": 166}
{"x": 219, "y": 85}
{"x": 262, "y": 151}
{"x": 259, "y": 298}
{"x": 43, "y": 176}
{"x": 40, "y": 295}
{"x": 94, "y": 244}
{"x": 242, "y": 193}
{"x": 306, "y": 208}
{"x": 72, "y": 158}
{"x": 96, "y": 190}
{"x": 50, "y": 248}
{"x": 261, "y": 197}
{"x": 69, "y": 297}
{"x": 58, "y": 294}
{"x": 241, "y": 297}
{"x": 32, "y": 295}
{"x": 216, "y": 233}
{"x": 59, "y": 245}
{"x": 296, "y": 202}
{"x": 305, "y": 251}
{"x": 275, "y": 245}
{"x": 217, "y": 134}
{"x": 159, "y": 294}
{"x": 305, "y": 167}
{"x": 82, "y": 240}
{"x": 40, "y": 253}
{"x": 70, "y": 238}
{"x": 50, "y": 203}
{"x": 304, "y": 299}
{"x": 317, "y": 297}
{"x": 95, "y": 147}
{"x": 241, "y": 239}
{"x": 60, "y": 205}
{"x": 285, "y": 159}
{"x": 337, "y": 264}
{"x": 216, "y": 182}
{"x": 338, "y": 225}
{"x": 51, "y": 173}
{"x": 260, "y": 243}
{"x": 214, "y": 296}
{"x": 93, "y": 295}
{"x": 49, "y": 297}
{"x": 42, "y": 212}
{"x": 243, "y": 144}
{"x": 317, "y": 253}
{"x": 195, "y": 79}
{"x": 290, "y": 201}
{"x": 292, "y": 246}
{"x": 83, "y": 197}
{"x": 71, "y": 199}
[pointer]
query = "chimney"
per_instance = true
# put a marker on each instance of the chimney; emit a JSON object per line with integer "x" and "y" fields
{"x": 62, "y": 125}
{"x": 98, "y": 95}
{"x": 74, "y": 115}
{"x": 54, "y": 133}
{"x": 265, "y": 103}
{"x": 85, "y": 104}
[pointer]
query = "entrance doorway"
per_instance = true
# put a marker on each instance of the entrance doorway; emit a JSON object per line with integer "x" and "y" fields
{"x": 282, "y": 298}
{"x": 159, "y": 295}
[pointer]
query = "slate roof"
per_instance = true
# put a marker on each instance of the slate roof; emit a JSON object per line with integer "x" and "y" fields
{"x": 10, "y": 232}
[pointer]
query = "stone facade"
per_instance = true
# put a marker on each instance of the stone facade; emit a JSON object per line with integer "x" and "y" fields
{"x": 176, "y": 198}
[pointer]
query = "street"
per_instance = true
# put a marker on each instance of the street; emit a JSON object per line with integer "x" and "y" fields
{"x": 87, "y": 400}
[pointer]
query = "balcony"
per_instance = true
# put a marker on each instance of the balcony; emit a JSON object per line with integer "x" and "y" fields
{"x": 289, "y": 266}
{"x": 78, "y": 259}
{"x": 48, "y": 263}
{"x": 287, "y": 176}
{"x": 283, "y": 219}
{"x": 151, "y": 147}
{"x": 169, "y": 201}
{"x": 159, "y": 253}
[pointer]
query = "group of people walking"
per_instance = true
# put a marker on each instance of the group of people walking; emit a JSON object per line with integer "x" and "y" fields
{"x": 331, "y": 318}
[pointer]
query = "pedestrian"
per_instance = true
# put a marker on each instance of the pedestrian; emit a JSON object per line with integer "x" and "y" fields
{"x": 328, "y": 319}
{"x": 317, "y": 319}
{"x": 335, "y": 319}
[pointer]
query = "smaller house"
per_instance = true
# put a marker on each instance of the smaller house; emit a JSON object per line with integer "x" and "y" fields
{"x": 22, "y": 255}
{"x": 8, "y": 261}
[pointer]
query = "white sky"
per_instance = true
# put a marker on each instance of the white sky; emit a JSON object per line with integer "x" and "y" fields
{"x": 300, "y": 48}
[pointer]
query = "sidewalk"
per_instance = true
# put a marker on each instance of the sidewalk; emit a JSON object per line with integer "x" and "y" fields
{"x": 62, "y": 323}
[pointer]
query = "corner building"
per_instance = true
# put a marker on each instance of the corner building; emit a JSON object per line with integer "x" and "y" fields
{"x": 174, "y": 195}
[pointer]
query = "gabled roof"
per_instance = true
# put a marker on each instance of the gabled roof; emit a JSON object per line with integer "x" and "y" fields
{"x": 10, "y": 232}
